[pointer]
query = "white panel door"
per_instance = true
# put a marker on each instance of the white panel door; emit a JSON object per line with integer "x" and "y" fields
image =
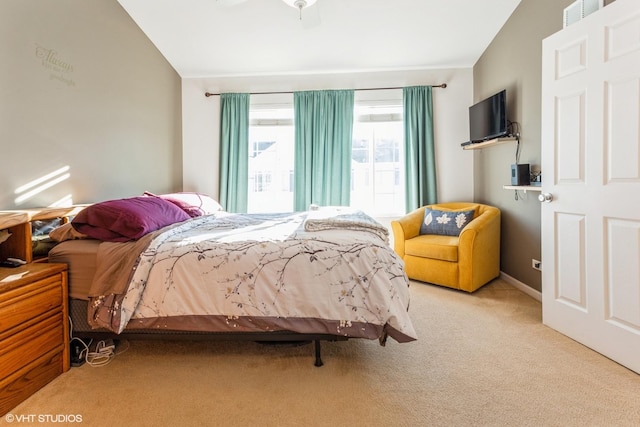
{"x": 591, "y": 168}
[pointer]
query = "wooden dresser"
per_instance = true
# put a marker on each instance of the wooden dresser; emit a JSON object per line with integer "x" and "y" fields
{"x": 34, "y": 330}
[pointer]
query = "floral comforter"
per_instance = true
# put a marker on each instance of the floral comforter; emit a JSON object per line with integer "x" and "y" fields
{"x": 250, "y": 272}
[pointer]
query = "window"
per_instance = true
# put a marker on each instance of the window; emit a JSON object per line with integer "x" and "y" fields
{"x": 271, "y": 148}
{"x": 261, "y": 181}
{"x": 377, "y": 159}
{"x": 258, "y": 147}
{"x": 377, "y": 173}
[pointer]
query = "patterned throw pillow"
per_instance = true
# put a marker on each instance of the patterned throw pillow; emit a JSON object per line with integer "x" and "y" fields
{"x": 446, "y": 223}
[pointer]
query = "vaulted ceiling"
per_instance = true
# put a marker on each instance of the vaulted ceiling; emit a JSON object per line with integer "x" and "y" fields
{"x": 215, "y": 38}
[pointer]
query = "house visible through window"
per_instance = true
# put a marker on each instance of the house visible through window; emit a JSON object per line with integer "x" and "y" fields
{"x": 377, "y": 161}
{"x": 270, "y": 159}
{"x": 377, "y": 171}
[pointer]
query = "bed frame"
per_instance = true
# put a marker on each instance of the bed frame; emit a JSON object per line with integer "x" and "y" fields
{"x": 80, "y": 329}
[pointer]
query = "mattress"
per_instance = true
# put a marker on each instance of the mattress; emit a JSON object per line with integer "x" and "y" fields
{"x": 80, "y": 255}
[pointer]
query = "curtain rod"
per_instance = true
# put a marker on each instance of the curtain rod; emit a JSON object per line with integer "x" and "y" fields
{"x": 208, "y": 94}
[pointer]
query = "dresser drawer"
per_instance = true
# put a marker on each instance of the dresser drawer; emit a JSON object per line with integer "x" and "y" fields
{"x": 34, "y": 329}
{"x": 19, "y": 350}
{"x": 27, "y": 302}
{"x": 17, "y": 389}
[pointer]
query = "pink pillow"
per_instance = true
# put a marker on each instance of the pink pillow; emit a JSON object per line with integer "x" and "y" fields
{"x": 194, "y": 204}
{"x": 122, "y": 220}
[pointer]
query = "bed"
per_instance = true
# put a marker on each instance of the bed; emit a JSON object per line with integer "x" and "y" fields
{"x": 325, "y": 274}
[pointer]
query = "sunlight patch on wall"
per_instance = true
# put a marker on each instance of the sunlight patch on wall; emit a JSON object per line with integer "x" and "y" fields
{"x": 64, "y": 202}
{"x": 38, "y": 185}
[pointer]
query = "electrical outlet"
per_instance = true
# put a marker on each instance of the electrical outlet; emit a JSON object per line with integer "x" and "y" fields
{"x": 536, "y": 265}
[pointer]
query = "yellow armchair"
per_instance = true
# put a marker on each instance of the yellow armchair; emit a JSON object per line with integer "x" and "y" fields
{"x": 464, "y": 262}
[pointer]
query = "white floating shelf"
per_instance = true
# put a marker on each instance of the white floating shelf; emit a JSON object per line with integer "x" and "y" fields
{"x": 524, "y": 188}
{"x": 489, "y": 143}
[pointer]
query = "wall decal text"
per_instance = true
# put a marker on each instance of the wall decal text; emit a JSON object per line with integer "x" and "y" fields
{"x": 59, "y": 68}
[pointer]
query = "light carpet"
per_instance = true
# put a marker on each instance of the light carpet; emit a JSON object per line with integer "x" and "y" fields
{"x": 482, "y": 359}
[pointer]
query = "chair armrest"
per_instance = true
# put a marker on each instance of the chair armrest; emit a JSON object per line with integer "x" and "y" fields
{"x": 479, "y": 248}
{"x": 406, "y": 228}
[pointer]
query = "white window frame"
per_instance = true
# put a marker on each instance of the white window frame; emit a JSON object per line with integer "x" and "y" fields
{"x": 271, "y": 110}
{"x": 376, "y": 107}
{"x": 370, "y": 106}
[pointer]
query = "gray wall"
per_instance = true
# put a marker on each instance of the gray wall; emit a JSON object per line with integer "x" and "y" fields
{"x": 513, "y": 62}
{"x": 83, "y": 89}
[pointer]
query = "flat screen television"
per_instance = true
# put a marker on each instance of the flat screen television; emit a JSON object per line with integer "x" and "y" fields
{"x": 488, "y": 118}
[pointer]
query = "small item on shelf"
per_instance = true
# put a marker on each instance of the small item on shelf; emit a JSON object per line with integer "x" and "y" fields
{"x": 520, "y": 174}
{"x": 536, "y": 177}
{"x": 12, "y": 277}
{"x": 12, "y": 263}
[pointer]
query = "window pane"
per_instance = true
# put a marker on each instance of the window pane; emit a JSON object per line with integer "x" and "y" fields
{"x": 360, "y": 150}
{"x": 377, "y": 163}
{"x": 270, "y": 168}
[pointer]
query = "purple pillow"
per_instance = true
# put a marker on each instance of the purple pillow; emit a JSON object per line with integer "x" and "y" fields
{"x": 122, "y": 220}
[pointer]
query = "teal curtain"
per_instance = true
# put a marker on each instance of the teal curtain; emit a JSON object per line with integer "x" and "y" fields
{"x": 234, "y": 151}
{"x": 323, "y": 139}
{"x": 420, "y": 162}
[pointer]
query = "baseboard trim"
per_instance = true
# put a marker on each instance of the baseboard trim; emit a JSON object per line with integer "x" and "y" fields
{"x": 521, "y": 286}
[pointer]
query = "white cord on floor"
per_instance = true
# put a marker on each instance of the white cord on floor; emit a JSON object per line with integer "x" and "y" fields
{"x": 103, "y": 353}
